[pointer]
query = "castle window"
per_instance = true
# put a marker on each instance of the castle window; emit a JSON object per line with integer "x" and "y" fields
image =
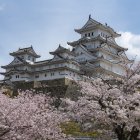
{"x": 92, "y": 34}
{"x": 85, "y": 35}
{"x": 45, "y": 75}
{"x": 17, "y": 76}
{"x": 29, "y": 57}
{"x": 88, "y": 34}
{"x": 52, "y": 74}
{"x": 36, "y": 76}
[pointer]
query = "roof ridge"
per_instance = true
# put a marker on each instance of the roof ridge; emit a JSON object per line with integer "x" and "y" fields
{"x": 31, "y": 47}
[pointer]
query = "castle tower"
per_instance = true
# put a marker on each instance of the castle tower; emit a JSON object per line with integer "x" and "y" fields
{"x": 20, "y": 69}
{"x": 97, "y": 51}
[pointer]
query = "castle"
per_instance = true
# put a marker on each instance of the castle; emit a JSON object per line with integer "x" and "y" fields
{"x": 95, "y": 54}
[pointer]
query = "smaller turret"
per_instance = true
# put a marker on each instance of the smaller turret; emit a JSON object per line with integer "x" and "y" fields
{"x": 63, "y": 52}
{"x": 26, "y": 54}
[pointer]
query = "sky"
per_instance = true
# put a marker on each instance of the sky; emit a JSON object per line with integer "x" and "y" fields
{"x": 45, "y": 24}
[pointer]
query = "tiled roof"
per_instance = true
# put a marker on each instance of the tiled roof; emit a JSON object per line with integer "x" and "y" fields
{"x": 93, "y": 23}
{"x": 61, "y": 49}
{"x": 28, "y": 50}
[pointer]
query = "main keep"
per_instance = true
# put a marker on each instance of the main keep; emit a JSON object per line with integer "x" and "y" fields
{"x": 95, "y": 54}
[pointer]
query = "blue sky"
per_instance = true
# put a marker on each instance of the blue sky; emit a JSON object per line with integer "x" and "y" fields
{"x": 46, "y": 23}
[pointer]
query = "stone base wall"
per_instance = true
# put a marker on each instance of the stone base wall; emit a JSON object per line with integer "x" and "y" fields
{"x": 53, "y": 83}
{"x": 38, "y": 84}
{"x": 59, "y": 88}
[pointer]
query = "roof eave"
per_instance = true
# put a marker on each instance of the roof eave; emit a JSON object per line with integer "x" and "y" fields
{"x": 123, "y": 49}
{"x": 78, "y": 31}
{"x": 52, "y": 53}
{"x": 14, "y": 54}
{"x": 69, "y": 43}
{"x": 117, "y": 35}
{"x": 2, "y": 73}
{"x": 37, "y": 56}
{"x": 4, "y": 67}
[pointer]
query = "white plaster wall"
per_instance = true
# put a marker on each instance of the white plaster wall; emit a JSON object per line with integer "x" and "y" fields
{"x": 113, "y": 50}
{"x": 70, "y": 65}
{"x": 116, "y": 68}
{"x": 49, "y": 76}
{"x": 72, "y": 75}
{"x": 103, "y": 33}
{"x": 95, "y": 33}
{"x": 26, "y": 57}
{"x": 20, "y": 68}
{"x": 106, "y": 66}
{"x": 66, "y": 55}
{"x": 75, "y": 67}
{"x": 108, "y": 56}
{"x": 93, "y": 45}
{"x": 15, "y": 61}
{"x": 49, "y": 67}
{"x": 119, "y": 69}
{"x": 82, "y": 55}
{"x": 56, "y": 75}
{"x": 22, "y": 77}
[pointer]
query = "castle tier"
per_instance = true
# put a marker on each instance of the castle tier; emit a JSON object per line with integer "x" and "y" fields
{"x": 97, "y": 51}
{"x": 24, "y": 67}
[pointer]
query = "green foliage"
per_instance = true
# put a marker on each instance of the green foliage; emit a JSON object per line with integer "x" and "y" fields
{"x": 74, "y": 129}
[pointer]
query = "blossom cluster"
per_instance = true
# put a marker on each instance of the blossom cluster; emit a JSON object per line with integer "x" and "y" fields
{"x": 105, "y": 107}
{"x": 30, "y": 116}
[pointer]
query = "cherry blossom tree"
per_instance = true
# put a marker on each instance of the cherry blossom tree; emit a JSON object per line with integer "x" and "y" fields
{"x": 30, "y": 116}
{"x": 111, "y": 109}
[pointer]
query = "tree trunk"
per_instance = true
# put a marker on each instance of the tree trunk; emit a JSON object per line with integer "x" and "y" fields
{"x": 122, "y": 134}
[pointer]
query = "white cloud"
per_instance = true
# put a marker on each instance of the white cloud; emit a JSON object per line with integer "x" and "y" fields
{"x": 132, "y": 42}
